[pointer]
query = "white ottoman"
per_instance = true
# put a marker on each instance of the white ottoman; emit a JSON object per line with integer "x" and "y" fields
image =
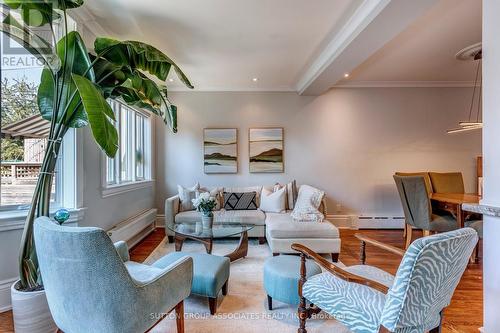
{"x": 282, "y": 231}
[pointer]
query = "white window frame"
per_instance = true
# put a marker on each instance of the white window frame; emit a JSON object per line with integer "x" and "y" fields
{"x": 69, "y": 187}
{"x": 65, "y": 175}
{"x": 121, "y": 186}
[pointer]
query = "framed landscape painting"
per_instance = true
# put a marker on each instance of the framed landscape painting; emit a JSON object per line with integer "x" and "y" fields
{"x": 266, "y": 149}
{"x": 220, "y": 149}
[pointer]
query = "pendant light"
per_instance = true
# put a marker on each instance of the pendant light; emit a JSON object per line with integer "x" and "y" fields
{"x": 473, "y": 52}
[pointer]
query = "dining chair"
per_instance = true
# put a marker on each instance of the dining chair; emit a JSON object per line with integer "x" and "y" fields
{"x": 92, "y": 286}
{"x": 369, "y": 300}
{"x": 478, "y": 226}
{"x": 427, "y": 178}
{"x": 418, "y": 210}
{"x": 428, "y": 186}
{"x": 447, "y": 182}
{"x": 450, "y": 182}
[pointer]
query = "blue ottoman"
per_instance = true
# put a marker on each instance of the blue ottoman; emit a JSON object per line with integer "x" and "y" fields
{"x": 281, "y": 278}
{"x": 210, "y": 274}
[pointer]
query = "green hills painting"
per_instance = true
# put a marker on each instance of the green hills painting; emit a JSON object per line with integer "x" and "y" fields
{"x": 220, "y": 146}
{"x": 266, "y": 150}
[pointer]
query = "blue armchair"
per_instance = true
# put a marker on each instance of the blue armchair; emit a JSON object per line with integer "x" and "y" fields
{"x": 92, "y": 286}
{"x": 369, "y": 300}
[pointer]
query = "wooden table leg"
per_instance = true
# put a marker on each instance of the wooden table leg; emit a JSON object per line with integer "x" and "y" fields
{"x": 208, "y": 244}
{"x": 460, "y": 216}
{"x": 242, "y": 249}
{"x": 179, "y": 241}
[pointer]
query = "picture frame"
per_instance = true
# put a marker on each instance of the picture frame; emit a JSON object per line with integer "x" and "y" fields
{"x": 266, "y": 150}
{"x": 220, "y": 150}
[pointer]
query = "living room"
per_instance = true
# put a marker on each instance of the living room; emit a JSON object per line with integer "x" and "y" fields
{"x": 303, "y": 153}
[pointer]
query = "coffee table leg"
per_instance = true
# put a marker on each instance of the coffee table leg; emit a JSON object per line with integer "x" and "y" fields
{"x": 242, "y": 249}
{"x": 208, "y": 245}
{"x": 179, "y": 240}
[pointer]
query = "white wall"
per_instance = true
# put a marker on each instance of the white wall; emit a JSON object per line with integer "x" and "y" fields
{"x": 348, "y": 142}
{"x": 9, "y": 246}
{"x": 491, "y": 116}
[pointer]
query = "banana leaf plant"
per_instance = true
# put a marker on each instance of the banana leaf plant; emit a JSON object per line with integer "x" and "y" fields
{"x": 74, "y": 91}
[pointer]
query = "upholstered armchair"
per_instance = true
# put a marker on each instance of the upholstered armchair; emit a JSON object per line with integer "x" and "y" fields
{"x": 369, "y": 300}
{"x": 92, "y": 286}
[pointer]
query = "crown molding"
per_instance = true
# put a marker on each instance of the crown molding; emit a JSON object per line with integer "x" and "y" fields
{"x": 232, "y": 89}
{"x": 405, "y": 84}
{"x": 363, "y": 15}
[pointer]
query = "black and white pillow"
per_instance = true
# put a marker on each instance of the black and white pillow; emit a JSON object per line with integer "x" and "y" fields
{"x": 240, "y": 200}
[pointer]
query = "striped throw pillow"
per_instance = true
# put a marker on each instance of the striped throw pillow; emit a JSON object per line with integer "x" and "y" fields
{"x": 291, "y": 194}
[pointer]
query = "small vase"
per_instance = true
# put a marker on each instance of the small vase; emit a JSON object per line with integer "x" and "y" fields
{"x": 207, "y": 220}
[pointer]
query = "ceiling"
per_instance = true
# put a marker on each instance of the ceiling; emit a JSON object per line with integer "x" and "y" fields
{"x": 301, "y": 45}
{"x": 224, "y": 44}
{"x": 424, "y": 53}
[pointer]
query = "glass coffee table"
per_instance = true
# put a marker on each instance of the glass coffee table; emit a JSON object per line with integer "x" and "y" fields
{"x": 196, "y": 232}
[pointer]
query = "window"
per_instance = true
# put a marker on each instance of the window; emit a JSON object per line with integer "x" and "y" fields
{"x": 132, "y": 163}
{"x": 23, "y": 131}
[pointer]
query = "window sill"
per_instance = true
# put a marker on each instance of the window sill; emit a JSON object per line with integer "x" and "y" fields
{"x": 14, "y": 220}
{"x": 127, "y": 187}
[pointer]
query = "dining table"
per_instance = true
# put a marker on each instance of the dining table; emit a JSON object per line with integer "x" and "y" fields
{"x": 452, "y": 203}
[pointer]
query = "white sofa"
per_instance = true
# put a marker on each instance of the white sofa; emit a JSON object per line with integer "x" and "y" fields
{"x": 280, "y": 230}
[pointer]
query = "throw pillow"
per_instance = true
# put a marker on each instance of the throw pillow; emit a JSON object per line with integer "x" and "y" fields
{"x": 307, "y": 204}
{"x": 273, "y": 202}
{"x": 291, "y": 194}
{"x": 244, "y": 189}
{"x": 240, "y": 201}
{"x": 186, "y": 195}
{"x": 278, "y": 187}
{"x": 216, "y": 193}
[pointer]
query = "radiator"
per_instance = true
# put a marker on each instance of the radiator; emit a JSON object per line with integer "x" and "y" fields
{"x": 380, "y": 222}
{"x": 135, "y": 228}
{"x": 342, "y": 221}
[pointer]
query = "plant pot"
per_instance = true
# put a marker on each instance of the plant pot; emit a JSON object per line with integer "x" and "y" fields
{"x": 31, "y": 311}
{"x": 207, "y": 221}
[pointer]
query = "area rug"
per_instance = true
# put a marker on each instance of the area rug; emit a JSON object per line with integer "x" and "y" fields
{"x": 244, "y": 309}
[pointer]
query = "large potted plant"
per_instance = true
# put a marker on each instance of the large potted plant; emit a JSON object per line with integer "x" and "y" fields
{"x": 73, "y": 93}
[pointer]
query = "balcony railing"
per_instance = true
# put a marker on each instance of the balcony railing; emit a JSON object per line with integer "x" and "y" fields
{"x": 16, "y": 172}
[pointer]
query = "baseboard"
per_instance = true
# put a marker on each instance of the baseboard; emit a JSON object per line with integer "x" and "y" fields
{"x": 5, "y": 302}
{"x": 160, "y": 220}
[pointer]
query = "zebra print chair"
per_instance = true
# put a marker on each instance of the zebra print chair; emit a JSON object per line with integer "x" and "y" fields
{"x": 369, "y": 300}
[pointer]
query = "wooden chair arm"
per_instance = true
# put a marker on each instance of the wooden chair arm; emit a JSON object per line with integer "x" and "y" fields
{"x": 390, "y": 248}
{"x": 334, "y": 269}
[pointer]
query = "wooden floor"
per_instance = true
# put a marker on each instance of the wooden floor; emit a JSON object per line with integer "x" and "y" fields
{"x": 464, "y": 315}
